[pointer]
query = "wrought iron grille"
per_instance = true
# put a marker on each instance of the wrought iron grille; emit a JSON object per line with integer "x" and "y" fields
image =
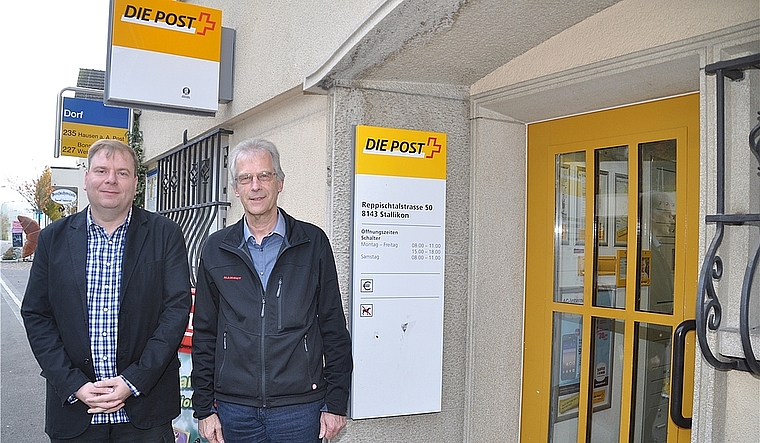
{"x": 192, "y": 189}
{"x": 709, "y": 308}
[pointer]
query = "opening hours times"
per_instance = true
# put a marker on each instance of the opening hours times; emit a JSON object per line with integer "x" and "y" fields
{"x": 426, "y": 251}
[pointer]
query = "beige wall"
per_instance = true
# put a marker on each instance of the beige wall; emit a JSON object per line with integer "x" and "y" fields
{"x": 297, "y": 127}
{"x": 277, "y": 44}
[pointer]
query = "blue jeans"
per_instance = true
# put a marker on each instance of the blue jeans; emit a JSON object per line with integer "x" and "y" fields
{"x": 284, "y": 424}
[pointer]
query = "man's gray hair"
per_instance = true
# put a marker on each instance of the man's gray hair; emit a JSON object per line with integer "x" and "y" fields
{"x": 253, "y": 146}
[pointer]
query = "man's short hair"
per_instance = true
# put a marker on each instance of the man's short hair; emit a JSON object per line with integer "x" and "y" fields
{"x": 250, "y": 147}
{"x": 109, "y": 147}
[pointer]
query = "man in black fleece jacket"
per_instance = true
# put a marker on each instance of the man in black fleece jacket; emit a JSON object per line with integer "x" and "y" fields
{"x": 271, "y": 352}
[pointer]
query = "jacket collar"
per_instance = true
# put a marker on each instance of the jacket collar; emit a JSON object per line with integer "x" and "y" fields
{"x": 77, "y": 237}
{"x": 295, "y": 233}
{"x": 280, "y": 228}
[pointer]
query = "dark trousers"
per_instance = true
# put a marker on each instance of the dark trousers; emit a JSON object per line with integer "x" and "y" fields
{"x": 122, "y": 433}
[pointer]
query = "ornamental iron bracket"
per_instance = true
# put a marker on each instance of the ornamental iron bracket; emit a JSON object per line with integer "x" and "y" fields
{"x": 709, "y": 309}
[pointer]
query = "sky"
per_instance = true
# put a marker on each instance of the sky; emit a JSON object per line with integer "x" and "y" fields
{"x": 43, "y": 46}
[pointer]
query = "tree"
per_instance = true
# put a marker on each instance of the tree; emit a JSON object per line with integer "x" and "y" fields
{"x": 27, "y": 190}
{"x": 5, "y": 227}
{"x": 38, "y": 194}
{"x": 43, "y": 190}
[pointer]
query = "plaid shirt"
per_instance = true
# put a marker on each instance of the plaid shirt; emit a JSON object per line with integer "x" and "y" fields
{"x": 104, "y": 262}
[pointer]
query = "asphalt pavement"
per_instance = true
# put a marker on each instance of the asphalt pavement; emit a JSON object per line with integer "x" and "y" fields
{"x": 22, "y": 389}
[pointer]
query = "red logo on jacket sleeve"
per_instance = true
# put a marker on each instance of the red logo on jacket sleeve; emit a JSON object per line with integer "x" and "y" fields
{"x": 232, "y": 277}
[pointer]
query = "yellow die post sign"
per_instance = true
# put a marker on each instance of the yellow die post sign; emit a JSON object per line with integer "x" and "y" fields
{"x": 398, "y": 258}
{"x": 400, "y": 152}
{"x": 164, "y": 54}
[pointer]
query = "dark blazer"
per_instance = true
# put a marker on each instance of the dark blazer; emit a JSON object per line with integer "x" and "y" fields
{"x": 153, "y": 315}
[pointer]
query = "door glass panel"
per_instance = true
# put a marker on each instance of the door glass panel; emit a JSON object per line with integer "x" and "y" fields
{"x": 657, "y": 213}
{"x": 611, "y": 224}
{"x": 566, "y": 379}
{"x": 597, "y": 368}
{"x": 569, "y": 227}
{"x": 605, "y": 402}
{"x": 652, "y": 383}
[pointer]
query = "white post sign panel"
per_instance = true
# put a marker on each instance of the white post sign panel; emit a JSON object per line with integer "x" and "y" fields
{"x": 398, "y": 271}
{"x": 164, "y": 55}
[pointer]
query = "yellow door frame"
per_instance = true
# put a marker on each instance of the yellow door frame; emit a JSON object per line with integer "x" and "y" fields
{"x": 677, "y": 118}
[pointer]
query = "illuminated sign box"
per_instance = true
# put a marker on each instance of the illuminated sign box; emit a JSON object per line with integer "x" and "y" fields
{"x": 164, "y": 55}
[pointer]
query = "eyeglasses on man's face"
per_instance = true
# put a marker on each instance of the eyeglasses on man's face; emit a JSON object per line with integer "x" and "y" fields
{"x": 262, "y": 177}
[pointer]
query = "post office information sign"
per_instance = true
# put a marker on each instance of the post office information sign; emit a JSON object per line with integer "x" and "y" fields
{"x": 164, "y": 55}
{"x": 399, "y": 212}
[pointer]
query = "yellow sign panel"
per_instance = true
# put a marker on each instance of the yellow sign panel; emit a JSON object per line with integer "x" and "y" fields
{"x": 76, "y": 138}
{"x": 568, "y": 404}
{"x": 168, "y": 27}
{"x": 599, "y": 397}
{"x": 400, "y": 152}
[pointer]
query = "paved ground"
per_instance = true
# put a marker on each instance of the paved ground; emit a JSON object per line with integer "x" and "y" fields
{"x": 22, "y": 389}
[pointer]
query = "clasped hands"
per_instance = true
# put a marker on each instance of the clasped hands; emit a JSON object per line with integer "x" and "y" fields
{"x": 104, "y": 396}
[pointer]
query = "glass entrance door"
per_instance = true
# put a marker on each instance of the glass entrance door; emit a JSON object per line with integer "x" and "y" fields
{"x": 611, "y": 272}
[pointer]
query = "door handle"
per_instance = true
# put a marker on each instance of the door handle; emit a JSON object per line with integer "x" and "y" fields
{"x": 678, "y": 362}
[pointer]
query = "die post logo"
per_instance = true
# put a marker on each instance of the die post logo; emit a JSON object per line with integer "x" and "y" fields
{"x": 403, "y": 147}
{"x": 169, "y": 20}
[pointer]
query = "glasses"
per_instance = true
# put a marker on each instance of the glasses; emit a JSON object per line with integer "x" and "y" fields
{"x": 263, "y": 177}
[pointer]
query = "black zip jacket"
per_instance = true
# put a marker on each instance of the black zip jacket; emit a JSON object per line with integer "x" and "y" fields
{"x": 284, "y": 346}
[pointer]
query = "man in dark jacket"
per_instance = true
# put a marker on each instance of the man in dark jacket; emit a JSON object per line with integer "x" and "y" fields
{"x": 271, "y": 352}
{"x": 105, "y": 309}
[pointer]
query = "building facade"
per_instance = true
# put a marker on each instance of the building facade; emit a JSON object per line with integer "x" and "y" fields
{"x": 533, "y": 96}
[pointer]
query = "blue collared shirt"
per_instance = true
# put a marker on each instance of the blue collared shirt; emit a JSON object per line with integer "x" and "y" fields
{"x": 265, "y": 254}
{"x": 105, "y": 256}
